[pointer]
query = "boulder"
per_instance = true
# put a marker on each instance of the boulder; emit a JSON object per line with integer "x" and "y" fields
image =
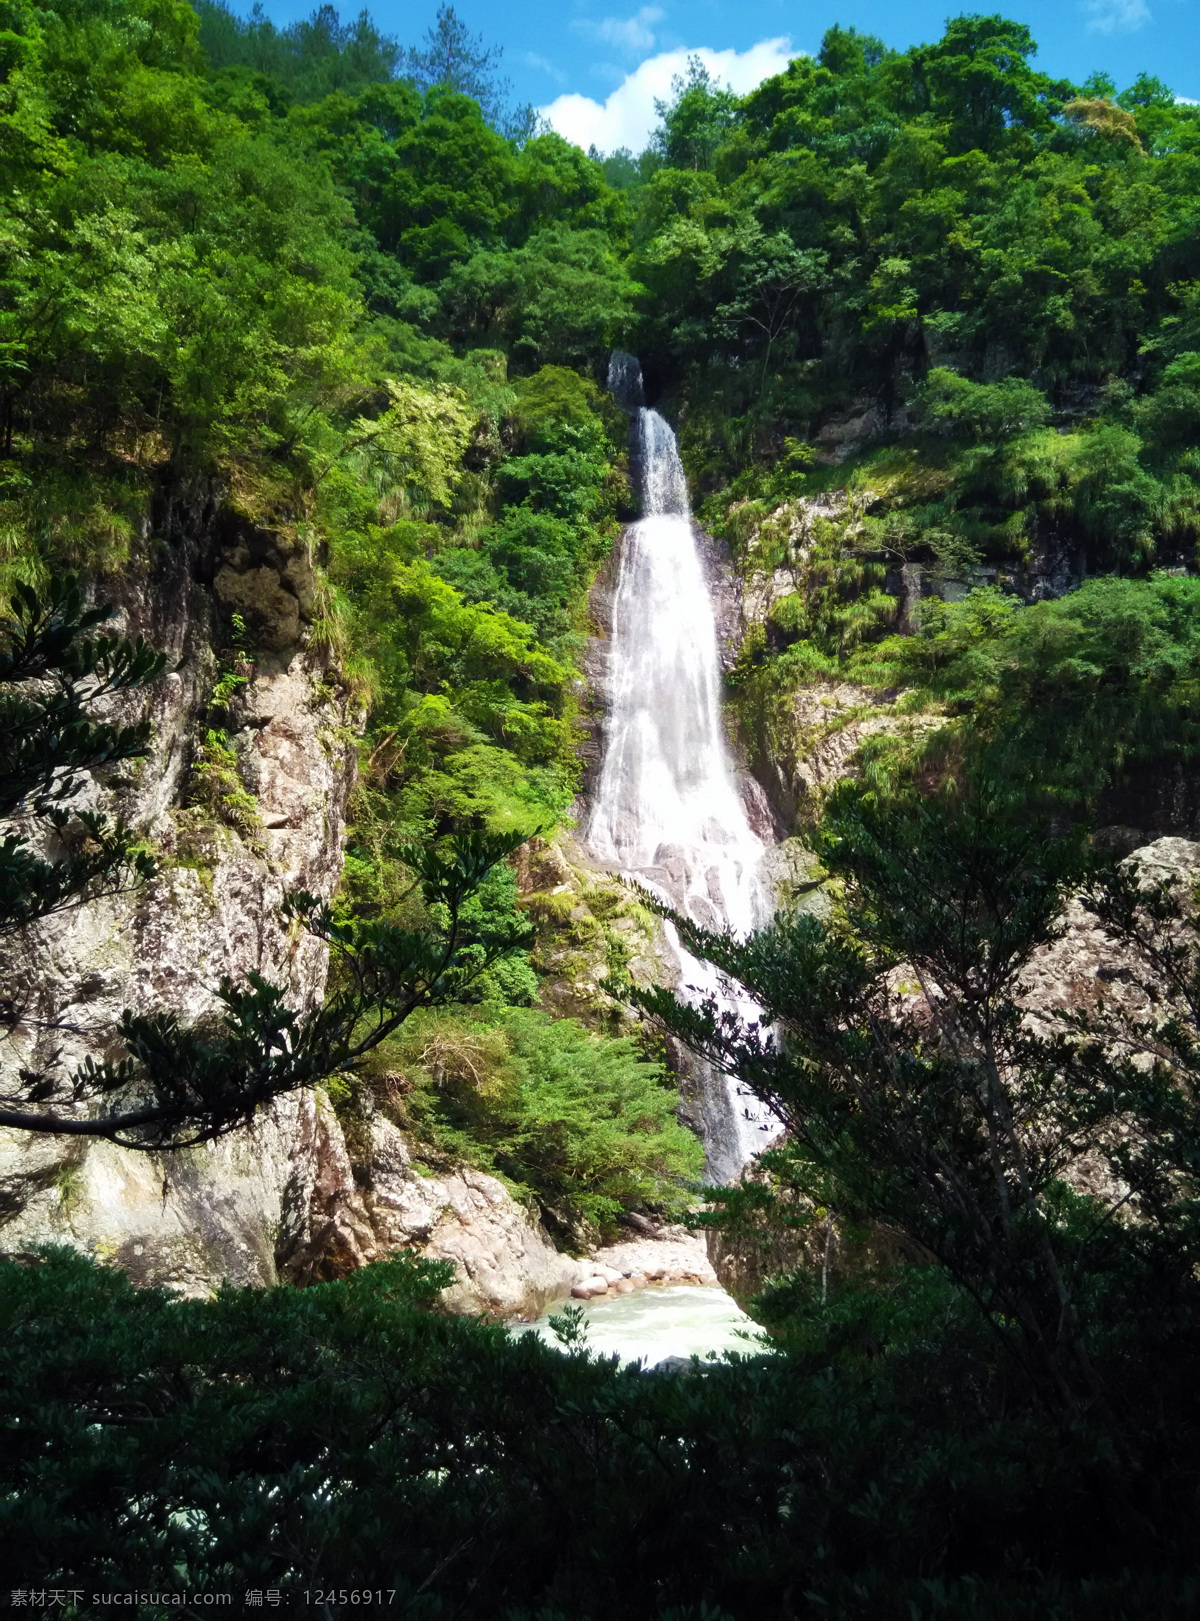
{"x": 505, "y": 1262}
{"x": 676, "y": 1252}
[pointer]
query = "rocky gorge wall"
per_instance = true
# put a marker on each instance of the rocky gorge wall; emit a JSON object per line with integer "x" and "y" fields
{"x": 281, "y": 1201}
{"x": 797, "y": 744}
{"x": 291, "y": 1199}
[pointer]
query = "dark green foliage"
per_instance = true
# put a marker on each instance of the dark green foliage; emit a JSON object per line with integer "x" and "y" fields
{"x": 927, "y": 229}
{"x": 699, "y": 114}
{"x": 977, "y": 80}
{"x": 985, "y": 412}
{"x": 469, "y": 722}
{"x": 921, "y": 1098}
{"x": 1171, "y": 415}
{"x": 51, "y": 672}
{"x": 458, "y": 60}
{"x": 472, "y": 652}
{"x": 343, "y": 1436}
{"x": 524, "y": 567}
{"x": 217, "y": 292}
{"x": 309, "y": 59}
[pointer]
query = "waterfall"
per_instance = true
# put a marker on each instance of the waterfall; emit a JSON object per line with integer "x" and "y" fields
{"x": 667, "y": 810}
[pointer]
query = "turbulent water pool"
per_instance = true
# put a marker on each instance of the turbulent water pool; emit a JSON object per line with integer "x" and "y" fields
{"x": 681, "y": 1320}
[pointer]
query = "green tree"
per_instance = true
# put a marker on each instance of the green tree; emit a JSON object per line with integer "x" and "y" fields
{"x": 583, "y": 1125}
{"x": 980, "y": 82}
{"x": 309, "y": 58}
{"x": 51, "y": 673}
{"x": 456, "y": 59}
{"x": 985, "y": 412}
{"x": 698, "y": 115}
{"x": 918, "y": 1094}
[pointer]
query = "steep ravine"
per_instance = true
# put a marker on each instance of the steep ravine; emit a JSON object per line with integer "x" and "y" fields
{"x": 280, "y": 1201}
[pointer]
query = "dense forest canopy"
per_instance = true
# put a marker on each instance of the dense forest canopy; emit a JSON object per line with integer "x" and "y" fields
{"x": 928, "y": 323}
{"x": 373, "y": 314}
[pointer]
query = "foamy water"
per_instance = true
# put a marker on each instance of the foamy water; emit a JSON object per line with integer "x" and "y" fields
{"x": 680, "y": 1320}
{"x": 667, "y": 808}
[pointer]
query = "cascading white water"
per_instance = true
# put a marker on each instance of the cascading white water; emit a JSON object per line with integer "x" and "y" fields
{"x": 667, "y": 810}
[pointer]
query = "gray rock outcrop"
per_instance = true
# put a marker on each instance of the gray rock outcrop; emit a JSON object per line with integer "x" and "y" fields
{"x": 505, "y": 1262}
{"x": 279, "y": 1201}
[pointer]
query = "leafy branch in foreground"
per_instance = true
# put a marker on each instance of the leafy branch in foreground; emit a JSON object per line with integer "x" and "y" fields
{"x": 176, "y": 1085}
{"x": 920, "y": 1095}
{"x": 1146, "y": 1048}
{"x": 182, "y": 1086}
{"x": 52, "y": 671}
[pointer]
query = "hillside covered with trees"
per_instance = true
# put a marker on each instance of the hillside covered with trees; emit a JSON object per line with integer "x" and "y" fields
{"x": 928, "y": 324}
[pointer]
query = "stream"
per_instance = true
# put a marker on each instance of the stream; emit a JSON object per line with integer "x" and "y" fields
{"x": 652, "y": 1325}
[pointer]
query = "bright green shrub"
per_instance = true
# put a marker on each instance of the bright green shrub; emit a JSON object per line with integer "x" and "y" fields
{"x": 581, "y": 1125}
{"x": 981, "y": 411}
{"x": 1070, "y": 694}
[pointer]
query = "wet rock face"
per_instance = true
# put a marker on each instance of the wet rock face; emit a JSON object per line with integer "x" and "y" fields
{"x": 1084, "y": 964}
{"x": 190, "y": 1218}
{"x": 267, "y": 576}
{"x": 505, "y": 1262}
{"x": 829, "y": 721}
{"x": 214, "y": 908}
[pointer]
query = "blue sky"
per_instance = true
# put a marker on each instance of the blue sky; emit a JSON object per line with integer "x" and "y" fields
{"x": 595, "y": 66}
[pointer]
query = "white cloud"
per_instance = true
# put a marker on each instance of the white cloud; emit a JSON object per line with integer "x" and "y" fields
{"x": 628, "y": 116}
{"x": 1116, "y": 16}
{"x": 628, "y": 34}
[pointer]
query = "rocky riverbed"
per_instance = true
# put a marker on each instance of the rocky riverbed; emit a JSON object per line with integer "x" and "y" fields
{"x": 675, "y": 1256}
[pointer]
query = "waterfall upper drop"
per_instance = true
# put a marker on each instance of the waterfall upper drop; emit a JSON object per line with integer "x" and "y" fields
{"x": 667, "y": 809}
{"x": 625, "y": 380}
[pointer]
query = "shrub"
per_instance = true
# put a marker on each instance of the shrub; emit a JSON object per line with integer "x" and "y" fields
{"x": 954, "y": 405}
{"x": 581, "y": 1125}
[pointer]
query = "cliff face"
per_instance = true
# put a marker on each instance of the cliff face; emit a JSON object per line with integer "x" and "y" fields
{"x": 232, "y": 1208}
{"x": 281, "y": 1200}
{"x": 799, "y": 743}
